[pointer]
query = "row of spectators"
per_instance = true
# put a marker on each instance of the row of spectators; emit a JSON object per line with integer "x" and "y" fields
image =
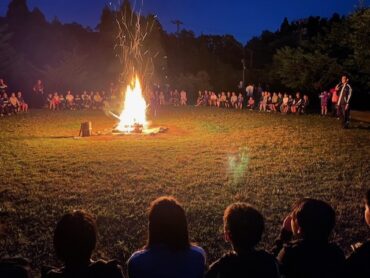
{"x": 303, "y": 248}
{"x": 267, "y": 101}
{"x": 92, "y": 100}
{"x": 13, "y": 104}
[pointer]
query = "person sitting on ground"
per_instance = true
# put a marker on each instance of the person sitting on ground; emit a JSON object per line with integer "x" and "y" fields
{"x": 240, "y": 101}
{"x": 75, "y": 239}
{"x": 2, "y": 106}
{"x": 14, "y": 103}
{"x": 213, "y": 99}
{"x": 70, "y": 101}
{"x": 56, "y": 101}
{"x": 269, "y": 102}
{"x": 176, "y": 98}
{"x": 183, "y": 98}
{"x": 297, "y": 104}
{"x": 78, "y": 102}
{"x": 168, "y": 252}
{"x": 234, "y": 100}
{"x": 311, "y": 254}
{"x": 85, "y": 100}
{"x": 222, "y": 100}
{"x": 243, "y": 229}
{"x": 357, "y": 263}
{"x": 263, "y": 102}
{"x": 290, "y": 103}
{"x": 250, "y": 104}
{"x": 206, "y": 98}
{"x": 63, "y": 102}
{"x": 22, "y": 103}
{"x": 97, "y": 101}
{"x": 199, "y": 99}
{"x": 274, "y": 102}
{"x": 228, "y": 100}
{"x": 49, "y": 101}
{"x": 305, "y": 103}
{"x": 6, "y": 106}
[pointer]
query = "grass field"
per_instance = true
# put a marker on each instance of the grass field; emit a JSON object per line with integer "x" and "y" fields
{"x": 208, "y": 159}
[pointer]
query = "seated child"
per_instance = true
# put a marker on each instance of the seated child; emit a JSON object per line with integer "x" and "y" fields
{"x": 22, "y": 103}
{"x": 75, "y": 239}
{"x": 56, "y": 101}
{"x": 240, "y": 101}
{"x": 97, "y": 101}
{"x": 250, "y": 103}
{"x": 78, "y": 102}
{"x": 285, "y": 107}
{"x": 70, "y": 100}
{"x": 222, "y": 100}
{"x": 234, "y": 100}
{"x": 310, "y": 254}
{"x": 14, "y": 104}
{"x": 358, "y": 263}
{"x": 49, "y": 101}
{"x": 243, "y": 229}
{"x": 7, "y": 109}
{"x": 62, "y": 102}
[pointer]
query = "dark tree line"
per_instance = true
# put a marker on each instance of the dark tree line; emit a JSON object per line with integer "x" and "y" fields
{"x": 306, "y": 55}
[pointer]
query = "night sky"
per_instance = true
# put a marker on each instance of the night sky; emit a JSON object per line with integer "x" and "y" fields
{"x": 241, "y": 18}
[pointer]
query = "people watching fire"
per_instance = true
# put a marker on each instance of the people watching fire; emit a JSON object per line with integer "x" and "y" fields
{"x": 13, "y": 104}
{"x": 357, "y": 264}
{"x": 75, "y": 238}
{"x": 243, "y": 229}
{"x": 168, "y": 251}
{"x": 302, "y": 249}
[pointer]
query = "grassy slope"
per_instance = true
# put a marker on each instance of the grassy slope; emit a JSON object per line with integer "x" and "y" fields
{"x": 208, "y": 159}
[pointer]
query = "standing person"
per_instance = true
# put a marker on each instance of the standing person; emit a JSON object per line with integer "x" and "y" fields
{"x": 39, "y": 98}
{"x": 334, "y": 102}
{"x": 345, "y": 94}
{"x": 249, "y": 90}
{"x": 168, "y": 252}
{"x": 243, "y": 229}
{"x": 324, "y": 96}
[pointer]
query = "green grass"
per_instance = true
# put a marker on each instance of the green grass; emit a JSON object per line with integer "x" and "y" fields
{"x": 208, "y": 159}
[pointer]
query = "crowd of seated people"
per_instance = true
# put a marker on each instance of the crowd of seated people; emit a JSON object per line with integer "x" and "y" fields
{"x": 172, "y": 97}
{"x": 266, "y": 102}
{"x": 11, "y": 104}
{"x": 303, "y": 248}
{"x": 83, "y": 101}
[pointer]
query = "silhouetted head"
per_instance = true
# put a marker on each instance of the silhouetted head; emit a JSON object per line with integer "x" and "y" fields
{"x": 367, "y": 207}
{"x": 75, "y": 238}
{"x": 168, "y": 224}
{"x": 313, "y": 219}
{"x": 243, "y": 226}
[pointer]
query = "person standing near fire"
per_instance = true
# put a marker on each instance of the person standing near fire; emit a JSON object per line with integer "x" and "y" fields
{"x": 344, "y": 91}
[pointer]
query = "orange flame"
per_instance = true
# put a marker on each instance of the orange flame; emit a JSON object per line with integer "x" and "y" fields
{"x": 134, "y": 109}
